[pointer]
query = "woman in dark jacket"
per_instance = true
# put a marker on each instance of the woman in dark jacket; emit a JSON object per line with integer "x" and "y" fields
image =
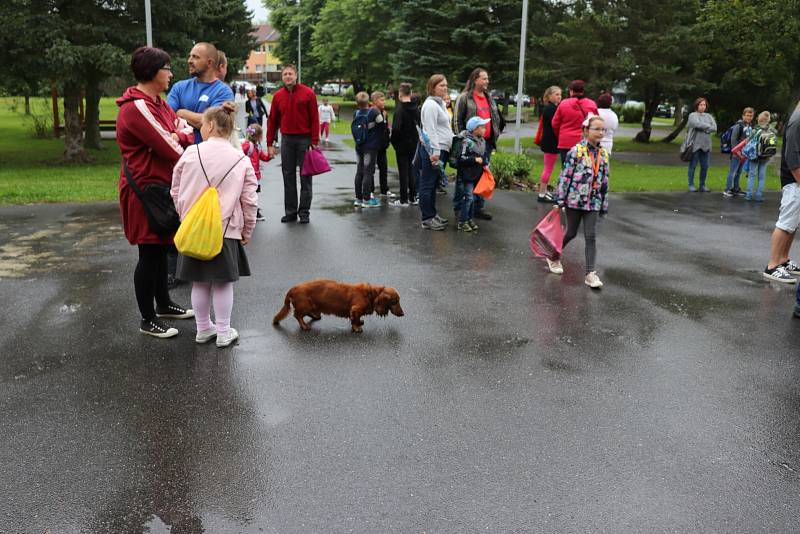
{"x": 549, "y": 141}
{"x": 151, "y": 138}
{"x": 254, "y": 106}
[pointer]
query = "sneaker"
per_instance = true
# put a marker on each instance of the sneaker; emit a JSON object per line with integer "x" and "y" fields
{"x": 692, "y": 189}
{"x": 398, "y": 204}
{"x": 704, "y": 189}
{"x": 593, "y": 281}
{"x": 779, "y": 274}
{"x": 288, "y": 218}
{"x": 371, "y": 203}
{"x": 304, "y": 219}
{"x": 546, "y": 197}
{"x": 227, "y": 339}
{"x": 388, "y": 194}
{"x": 472, "y": 224}
{"x": 204, "y": 336}
{"x": 157, "y": 328}
{"x": 736, "y": 192}
{"x": 464, "y": 226}
{"x": 358, "y": 203}
{"x": 555, "y": 266}
{"x": 433, "y": 224}
{"x": 173, "y": 311}
{"x": 260, "y": 216}
{"x": 414, "y": 201}
{"x": 441, "y": 219}
{"x": 728, "y": 193}
{"x": 748, "y": 197}
{"x": 483, "y": 214}
{"x": 791, "y": 267}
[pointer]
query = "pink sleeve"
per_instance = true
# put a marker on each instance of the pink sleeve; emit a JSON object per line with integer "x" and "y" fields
{"x": 249, "y": 201}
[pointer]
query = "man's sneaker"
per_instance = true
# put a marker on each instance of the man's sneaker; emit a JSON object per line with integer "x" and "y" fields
{"x": 483, "y": 214}
{"x": 204, "y": 336}
{"x": 779, "y": 274}
{"x": 156, "y": 328}
{"x": 358, "y": 203}
{"x": 260, "y": 216}
{"x": 555, "y": 266}
{"x": 704, "y": 189}
{"x": 440, "y": 219}
{"x": 728, "y": 193}
{"x": 398, "y": 204}
{"x": 371, "y": 203}
{"x": 173, "y": 311}
{"x": 791, "y": 267}
{"x": 414, "y": 201}
{"x": 388, "y": 194}
{"x": 464, "y": 226}
{"x": 692, "y": 189}
{"x": 472, "y": 224}
{"x": 433, "y": 224}
{"x": 288, "y": 218}
{"x": 593, "y": 281}
{"x": 736, "y": 191}
{"x": 226, "y": 339}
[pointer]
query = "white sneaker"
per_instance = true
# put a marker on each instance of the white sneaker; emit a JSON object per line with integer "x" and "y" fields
{"x": 204, "y": 336}
{"x": 388, "y": 194}
{"x": 398, "y": 204}
{"x": 779, "y": 274}
{"x": 593, "y": 281}
{"x": 791, "y": 267}
{"x": 555, "y": 266}
{"x": 228, "y": 338}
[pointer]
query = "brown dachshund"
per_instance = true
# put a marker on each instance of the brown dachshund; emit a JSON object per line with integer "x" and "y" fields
{"x": 313, "y": 298}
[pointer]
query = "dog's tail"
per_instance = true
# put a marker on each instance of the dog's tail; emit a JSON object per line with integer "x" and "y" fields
{"x": 283, "y": 312}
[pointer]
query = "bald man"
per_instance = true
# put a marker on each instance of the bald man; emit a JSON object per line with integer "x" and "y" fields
{"x": 190, "y": 98}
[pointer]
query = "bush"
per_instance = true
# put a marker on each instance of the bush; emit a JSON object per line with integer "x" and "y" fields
{"x": 632, "y": 113}
{"x": 349, "y": 94}
{"x": 512, "y": 170}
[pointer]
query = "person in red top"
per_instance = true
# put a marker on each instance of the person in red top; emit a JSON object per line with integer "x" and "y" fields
{"x": 568, "y": 119}
{"x": 151, "y": 138}
{"x": 294, "y": 112}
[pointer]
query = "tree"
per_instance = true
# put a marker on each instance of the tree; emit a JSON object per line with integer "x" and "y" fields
{"x": 20, "y": 38}
{"x": 285, "y": 16}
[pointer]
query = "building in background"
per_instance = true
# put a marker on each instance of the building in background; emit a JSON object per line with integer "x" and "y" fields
{"x": 262, "y": 65}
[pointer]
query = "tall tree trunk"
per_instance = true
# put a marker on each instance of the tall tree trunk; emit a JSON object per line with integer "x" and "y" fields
{"x": 674, "y": 133}
{"x": 92, "y": 120}
{"x": 27, "y": 102}
{"x": 73, "y": 133}
{"x": 678, "y": 112}
{"x": 651, "y": 100}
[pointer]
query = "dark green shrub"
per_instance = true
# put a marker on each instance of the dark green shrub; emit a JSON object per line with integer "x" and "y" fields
{"x": 511, "y": 170}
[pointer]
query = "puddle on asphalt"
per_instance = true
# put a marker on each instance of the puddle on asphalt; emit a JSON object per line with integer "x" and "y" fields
{"x": 62, "y": 245}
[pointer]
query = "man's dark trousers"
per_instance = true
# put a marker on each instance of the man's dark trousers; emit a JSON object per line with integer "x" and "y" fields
{"x": 293, "y": 150}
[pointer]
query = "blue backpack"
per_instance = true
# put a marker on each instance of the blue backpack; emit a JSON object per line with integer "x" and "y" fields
{"x": 360, "y": 126}
{"x": 726, "y": 141}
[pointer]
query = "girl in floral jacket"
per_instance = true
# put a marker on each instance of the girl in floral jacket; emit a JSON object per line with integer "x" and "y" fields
{"x": 583, "y": 193}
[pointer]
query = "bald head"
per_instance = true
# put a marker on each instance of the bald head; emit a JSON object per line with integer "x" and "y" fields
{"x": 203, "y": 61}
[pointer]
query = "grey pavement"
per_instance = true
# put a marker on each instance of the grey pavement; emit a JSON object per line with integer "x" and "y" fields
{"x": 506, "y": 400}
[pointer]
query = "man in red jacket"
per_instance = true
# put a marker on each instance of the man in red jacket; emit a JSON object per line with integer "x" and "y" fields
{"x": 294, "y": 112}
{"x": 569, "y": 117}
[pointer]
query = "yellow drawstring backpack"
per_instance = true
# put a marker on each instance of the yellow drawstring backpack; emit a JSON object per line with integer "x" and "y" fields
{"x": 200, "y": 234}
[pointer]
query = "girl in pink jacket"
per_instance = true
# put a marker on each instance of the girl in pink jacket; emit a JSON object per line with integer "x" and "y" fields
{"x": 216, "y": 163}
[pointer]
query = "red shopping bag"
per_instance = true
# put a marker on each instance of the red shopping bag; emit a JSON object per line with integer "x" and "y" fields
{"x": 547, "y": 239}
{"x": 737, "y": 150}
{"x": 485, "y": 186}
{"x": 538, "y": 139}
{"x": 314, "y": 163}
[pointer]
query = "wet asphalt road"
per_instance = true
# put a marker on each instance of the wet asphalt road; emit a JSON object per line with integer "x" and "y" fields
{"x": 506, "y": 400}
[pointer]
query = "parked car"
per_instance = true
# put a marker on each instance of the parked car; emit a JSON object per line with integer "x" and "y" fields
{"x": 498, "y": 96}
{"x": 330, "y": 89}
{"x": 247, "y": 85}
{"x": 665, "y": 110}
{"x": 270, "y": 86}
{"x": 526, "y": 99}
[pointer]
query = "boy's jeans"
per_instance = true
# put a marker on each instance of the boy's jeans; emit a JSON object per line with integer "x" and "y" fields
{"x": 467, "y": 201}
{"x": 758, "y": 167}
{"x": 734, "y": 172}
{"x": 365, "y": 173}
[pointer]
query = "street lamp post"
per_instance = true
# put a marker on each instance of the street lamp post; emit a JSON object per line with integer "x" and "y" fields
{"x": 523, "y": 34}
{"x": 299, "y": 44}
{"x": 148, "y": 23}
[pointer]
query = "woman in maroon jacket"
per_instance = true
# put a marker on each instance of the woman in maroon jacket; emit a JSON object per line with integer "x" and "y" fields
{"x": 151, "y": 138}
{"x": 568, "y": 119}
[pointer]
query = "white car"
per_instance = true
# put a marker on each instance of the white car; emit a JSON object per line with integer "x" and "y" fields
{"x": 330, "y": 89}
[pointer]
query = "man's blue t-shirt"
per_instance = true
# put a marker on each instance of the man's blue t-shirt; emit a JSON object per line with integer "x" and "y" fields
{"x": 196, "y": 96}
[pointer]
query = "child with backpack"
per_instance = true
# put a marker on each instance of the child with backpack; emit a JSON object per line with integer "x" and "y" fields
{"x": 215, "y": 163}
{"x": 367, "y": 140}
{"x": 252, "y": 149}
{"x": 734, "y": 135}
{"x": 759, "y": 149}
{"x": 469, "y": 167}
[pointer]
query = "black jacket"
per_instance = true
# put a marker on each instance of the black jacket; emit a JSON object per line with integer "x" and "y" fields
{"x": 404, "y": 127}
{"x": 549, "y": 144}
{"x": 262, "y": 110}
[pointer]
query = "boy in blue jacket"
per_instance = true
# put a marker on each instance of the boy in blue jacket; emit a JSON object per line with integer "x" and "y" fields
{"x": 470, "y": 167}
{"x": 365, "y": 134}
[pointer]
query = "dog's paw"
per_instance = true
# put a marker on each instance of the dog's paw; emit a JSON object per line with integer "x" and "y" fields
{"x": 357, "y": 330}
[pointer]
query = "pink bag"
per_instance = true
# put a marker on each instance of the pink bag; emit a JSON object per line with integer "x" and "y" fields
{"x": 314, "y": 163}
{"x": 547, "y": 239}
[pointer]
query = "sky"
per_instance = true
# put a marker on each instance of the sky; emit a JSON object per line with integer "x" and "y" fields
{"x": 258, "y": 9}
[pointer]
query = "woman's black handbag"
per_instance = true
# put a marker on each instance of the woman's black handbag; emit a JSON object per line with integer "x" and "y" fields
{"x": 158, "y": 206}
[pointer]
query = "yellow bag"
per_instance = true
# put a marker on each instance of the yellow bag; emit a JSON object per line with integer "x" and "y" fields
{"x": 200, "y": 234}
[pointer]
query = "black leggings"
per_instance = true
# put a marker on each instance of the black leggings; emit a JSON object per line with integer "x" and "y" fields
{"x": 150, "y": 279}
{"x": 589, "y": 218}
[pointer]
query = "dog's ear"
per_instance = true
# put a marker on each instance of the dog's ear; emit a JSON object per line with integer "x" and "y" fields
{"x": 380, "y": 302}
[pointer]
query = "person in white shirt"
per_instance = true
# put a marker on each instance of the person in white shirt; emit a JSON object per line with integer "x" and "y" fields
{"x": 326, "y": 117}
{"x": 610, "y": 118}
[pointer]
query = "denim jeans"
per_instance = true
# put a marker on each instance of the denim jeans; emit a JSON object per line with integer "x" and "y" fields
{"x": 365, "y": 174}
{"x": 458, "y": 195}
{"x": 428, "y": 178}
{"x": 468, "y": 200}
{"x": 703, "y": 157}
{"x": 734, "y": 172}
{"x": 758, "y": 167}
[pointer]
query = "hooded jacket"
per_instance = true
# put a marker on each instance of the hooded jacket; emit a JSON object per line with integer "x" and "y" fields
{"x": 404, "y": 126}
{"x": 568, "y": 120}
{"x": 144, "y": 128}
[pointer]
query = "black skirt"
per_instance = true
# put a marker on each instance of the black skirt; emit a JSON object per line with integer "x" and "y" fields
{"x": 227, "y": 266}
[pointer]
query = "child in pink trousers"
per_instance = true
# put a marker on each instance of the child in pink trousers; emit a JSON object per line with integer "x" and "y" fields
{"x": 214, "y": 162}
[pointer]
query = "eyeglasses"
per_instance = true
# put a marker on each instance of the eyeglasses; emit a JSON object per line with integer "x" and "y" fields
{"x": 166, "y": 68}
{"x": 597, "y": 130}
